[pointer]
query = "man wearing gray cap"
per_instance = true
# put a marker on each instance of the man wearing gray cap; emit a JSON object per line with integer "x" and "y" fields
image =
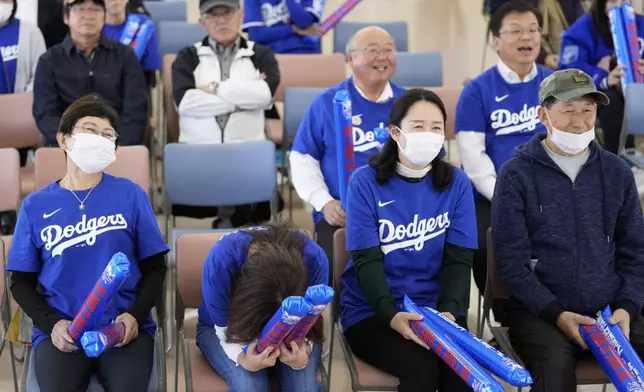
{"x": 567, "y": 229}
{"x": 222, "y": 86}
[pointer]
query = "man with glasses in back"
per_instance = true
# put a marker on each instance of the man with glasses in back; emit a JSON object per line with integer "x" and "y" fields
{"x": 371, "y": 53}
{"x": 221, "y": 87}
{"x": 88, "y": 62}
{"x": 497, "y": 111}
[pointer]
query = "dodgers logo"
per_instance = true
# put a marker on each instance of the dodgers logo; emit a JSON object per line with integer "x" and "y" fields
{"x": 57, "y": 238}
{"x": 9, "y": 52}
{"x": 108, "y": 274}
{"x": 274, "y": 13}
{"x": 290, "y": 320}
{"x": 506, "y": 122}
{"x": 366, "y": 140}
{"x": 413, "y": 235}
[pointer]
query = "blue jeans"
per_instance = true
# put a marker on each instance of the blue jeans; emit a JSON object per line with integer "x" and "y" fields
{"x": 241, "y": 380}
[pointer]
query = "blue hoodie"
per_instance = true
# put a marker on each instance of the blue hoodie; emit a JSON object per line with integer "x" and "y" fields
{"x": 569, "y": 246}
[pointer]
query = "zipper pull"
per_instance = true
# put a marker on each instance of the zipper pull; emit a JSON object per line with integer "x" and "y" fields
{"x": 540, "y": 208}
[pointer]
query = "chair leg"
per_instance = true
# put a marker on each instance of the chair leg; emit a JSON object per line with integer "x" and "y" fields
{"x": 479, "y": 320}
{"x": 176, "y": 362}
{"x": 13, "y": 367}
{"x": 604, "y": 388}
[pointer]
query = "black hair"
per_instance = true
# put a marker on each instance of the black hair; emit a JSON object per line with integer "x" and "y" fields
{"x": 548, "y": 102}
{"x": 601, "y": 22}
{"x": 384, "y": 163}
{"x": 91, "y": 105}
{"x": 68, "y": 6}
{"x": 513, "y": 6}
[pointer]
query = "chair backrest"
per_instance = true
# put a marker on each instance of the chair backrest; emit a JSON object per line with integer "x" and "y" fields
{"x": 191, "y": 252}
{"x": 132, "y": 162}
{"x": 634, "y": 115}
{"x": 419, "y": 69}
{"x": 167, "y": 10}
{"x": 175, "y": 35}
{"x": 296, "y": 102}
{"x": 449, "y": 96}
{"x": 309, "y": 70}
{"x": 341, "y": 258}
{"x": 220, "y": 174}
{"x": 494, "y": 280}
{"x": 343, "y": 31}
{"x": 10, "y": 179}
{"x": 17, "y": 127}
{"x": 171, "y": 115}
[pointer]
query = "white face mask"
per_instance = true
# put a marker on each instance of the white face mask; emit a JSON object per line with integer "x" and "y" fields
{"x": 5, "y": 12}
{"x": 571, "y": 143}
{"x": 91, "y": 153}
{"x": 421, "y": 147}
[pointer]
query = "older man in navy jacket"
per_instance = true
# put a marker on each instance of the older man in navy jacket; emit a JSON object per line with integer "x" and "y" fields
{"x": 568, "y": 235}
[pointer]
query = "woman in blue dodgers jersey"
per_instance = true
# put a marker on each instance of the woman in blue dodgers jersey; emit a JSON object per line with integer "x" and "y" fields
{"x": 497, "y": 112}
{"x": 246, "y": 276}
{"x": 117, "y": 19}
{"x": 411, "y": 230}
{"x": 588, "y": 45}
{"x": 284, "y": 25}
{"x": 65, "y": 236}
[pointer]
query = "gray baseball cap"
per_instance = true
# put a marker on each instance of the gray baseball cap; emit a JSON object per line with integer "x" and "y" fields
{"x": 570, "y": 84}
{"x": 207, "y": 5}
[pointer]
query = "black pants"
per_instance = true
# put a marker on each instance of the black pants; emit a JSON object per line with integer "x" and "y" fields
{"x": 243, "y": 215}
{"x": 324, "y": 237}
{"x": 548, "y": 354}
{"x": 611, "y": 118}
{"x": 124, "y": 369}
{"x": 479, "y": 268}
{"x": 417, "y": 369}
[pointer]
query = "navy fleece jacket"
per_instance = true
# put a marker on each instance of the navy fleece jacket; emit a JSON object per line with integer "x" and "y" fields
{"x": 586, "y": 237}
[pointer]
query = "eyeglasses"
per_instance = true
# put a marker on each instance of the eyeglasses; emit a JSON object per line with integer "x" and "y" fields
{"x": 375, "y": 51}
{"x": 92, "y": 129}
{"x": 516, "y": 33}
{"x": 86, "y": 9}
{"x": 224, "y": 15}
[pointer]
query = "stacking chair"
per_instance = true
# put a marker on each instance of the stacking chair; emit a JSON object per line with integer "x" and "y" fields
{"x": 132, "y": 162}
{"x": 343, "y": 31}
{"x": 633, "y": 123}
{"x": 167, "y": 10}
{"x": 419, "y": 69}
{"x": 449, "y": 96}
{"x": 364, "y": 377}
{"x": 191, "y": 252}
{"x": 216, "y": 175}
{"x": 588, "y": 370}
{"x": 18, "y": 130}
{"x": 157, "y": 381}
{"x": 5, "y": 313}
{"x": 304, "y": 70}
{"x": 9, "y": 187}
{"x": 296, "y": 102}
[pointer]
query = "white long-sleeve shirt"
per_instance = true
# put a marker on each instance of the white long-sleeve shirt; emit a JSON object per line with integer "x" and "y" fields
{"x": 471, "y": 143}
{"x": 306, "y": 173}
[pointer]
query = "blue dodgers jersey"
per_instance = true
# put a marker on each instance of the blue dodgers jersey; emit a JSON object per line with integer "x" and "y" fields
{"x": 223, "y": 265}
{"x": 276, "y": 14}
{"x": 316, "y": 135}
{"x": 9, "y": 47}
{"x": 71, "y": 247}
{"x": 151, "y": 59}
{"x": 410, "y": 222}
{"x": 583, "y": 48}
{"x": 505, "y": 112}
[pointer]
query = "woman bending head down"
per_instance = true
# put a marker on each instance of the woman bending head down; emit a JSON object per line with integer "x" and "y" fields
{"x": 66, "y": 234}
{"x": 411, "y": 230}
{"x": 246, "y": 276}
